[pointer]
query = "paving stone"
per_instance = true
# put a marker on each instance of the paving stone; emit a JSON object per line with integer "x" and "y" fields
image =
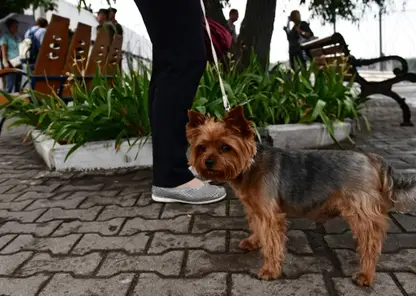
{"x": 102, "y": 193}
{"x": 109, "y": 227}
{"x": 64, "y": 204}
{"x": 145, "y": 199}
{"x": 408, "y": 282}
{"x": 28, "y": 216}
{"x": 213, "y": 241}
{"x": 74, "y": 188}
{"x": 37, "y": 229}
{"x": 405, "y": 261}
{"x": 81, "y": 214}
{"x": 305, "y": 285}
{"x": 65, "y": 284}
{"x": 6, "y": 188}
{"x": 135, "y": 189}
{"x": 297, "y": 242}
{"x": 93, "y": 242}
{"x": 78, "y": 265}
{"x": 210, "y": 285}
{"x": 201, "y": 262}
{"x": 301, "y": 224}
{"x": 168, "y": 264}
{"x": 151, "y": 212}
{"x": 339, "y": 225}
{"x": 27, "y": 242}
{"x": 21, "y": 182}
{"x": 406, "y": 221}
{"x": 393, "y": 242}
{"x": 383, "y": 285}
{"x": 130, "y": 186}
{"x": 22, "y": 286}
{"x": 176, "y": 209}
{"x": 177, "y": 225}
{"x": 30, "y": 195}
{"x": 23, "y": 175}
{"x": 236, "y": 209}
{"x": 9, "y": 263}
{"x": 205, "y": 223}
{"x": 5, "y": 239}
{"x": 121, "y": 200}
{"x": 35, "y": 188}
{"x": 14, "y": 206}
{"x": 9, "y": 197}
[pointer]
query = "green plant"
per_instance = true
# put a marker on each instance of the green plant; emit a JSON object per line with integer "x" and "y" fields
{"x": 117, "y": 109}
{"x": 31, "y": 109}
{"x": 114, "y": 110}
{"x": 107, "y": 110}
{"x": 281, "y": 96}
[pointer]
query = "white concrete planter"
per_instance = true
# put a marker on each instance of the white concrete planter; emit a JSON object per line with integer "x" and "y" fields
{"x": 94, "y": 155}
{"x": 304, "y": 136}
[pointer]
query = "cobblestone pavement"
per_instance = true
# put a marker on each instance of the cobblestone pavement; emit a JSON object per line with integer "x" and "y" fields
{"x": 99, "y": 234}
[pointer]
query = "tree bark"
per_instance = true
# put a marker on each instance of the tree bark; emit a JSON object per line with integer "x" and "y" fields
{"x": 213, "y": 10}
{"x": 257, "y": 30}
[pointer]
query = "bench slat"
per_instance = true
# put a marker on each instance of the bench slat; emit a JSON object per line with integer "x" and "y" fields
{"x": 52, "y": 53}
{"x": 77, "y": 58}
{"x": 99, "y": 52}
{"x": 114, "y": 55}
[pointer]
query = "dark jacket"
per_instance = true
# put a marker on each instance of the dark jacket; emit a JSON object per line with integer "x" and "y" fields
{"x": 294, "y": 37}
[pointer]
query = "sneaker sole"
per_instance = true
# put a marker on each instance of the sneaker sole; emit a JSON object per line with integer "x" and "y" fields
{"x": 170, "y": 200}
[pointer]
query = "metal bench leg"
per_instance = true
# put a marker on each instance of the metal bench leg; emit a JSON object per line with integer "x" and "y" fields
{"x": 3, "y": 119}
{"x": 405, "y": 108}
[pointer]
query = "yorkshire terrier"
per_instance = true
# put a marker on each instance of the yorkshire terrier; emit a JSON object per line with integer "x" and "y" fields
{"x": 274, "y": 184}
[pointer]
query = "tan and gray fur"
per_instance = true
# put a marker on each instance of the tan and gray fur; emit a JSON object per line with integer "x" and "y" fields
{"x": 274, "y": 183}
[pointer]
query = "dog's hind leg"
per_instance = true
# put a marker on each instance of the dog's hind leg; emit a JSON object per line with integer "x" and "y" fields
{"x": 366, "y": 215}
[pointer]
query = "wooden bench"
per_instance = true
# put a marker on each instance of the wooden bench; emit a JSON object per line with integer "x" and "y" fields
{"x": 333, "y": 51}
{"x": 56, "y": 62}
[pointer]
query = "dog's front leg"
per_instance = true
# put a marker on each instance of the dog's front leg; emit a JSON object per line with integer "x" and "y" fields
{"x": 271, "y": 229}
{"x": 252, "y": 242}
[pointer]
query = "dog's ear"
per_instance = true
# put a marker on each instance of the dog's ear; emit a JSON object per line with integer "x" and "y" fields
{"x": 196, "y": 119}
{"x": 236, "y": 120}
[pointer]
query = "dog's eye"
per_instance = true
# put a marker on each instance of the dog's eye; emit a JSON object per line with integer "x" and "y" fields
{"x": 202, "y": 148}
{"x": 225, "y": 148}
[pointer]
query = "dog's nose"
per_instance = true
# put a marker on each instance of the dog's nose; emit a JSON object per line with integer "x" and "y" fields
{"x": 209, "y": 163}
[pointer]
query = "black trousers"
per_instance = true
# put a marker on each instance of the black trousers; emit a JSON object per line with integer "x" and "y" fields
{"x": 294, "y": 57}
{"x": 179, "y": 59}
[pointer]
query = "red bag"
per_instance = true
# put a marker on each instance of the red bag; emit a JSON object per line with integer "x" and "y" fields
{"x": 221, "y": 38}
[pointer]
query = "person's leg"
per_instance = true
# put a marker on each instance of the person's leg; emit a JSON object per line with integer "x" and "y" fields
{"x": 179, "y": 59}
{"x": 10, "y": 82}
{"x": 18, "y": 81}
{"x": 291, "y": 61}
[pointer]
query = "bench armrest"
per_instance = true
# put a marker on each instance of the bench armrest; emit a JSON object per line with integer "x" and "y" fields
{"x": 11, "y": 70}
{"x": 320, "y": 42}
{"x": 397, "y": 71}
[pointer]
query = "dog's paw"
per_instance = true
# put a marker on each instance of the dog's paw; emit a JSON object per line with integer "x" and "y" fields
{"x": 266, "y": 273}
{"x": 248, "y": 244}
{"x": 362, "y": 279}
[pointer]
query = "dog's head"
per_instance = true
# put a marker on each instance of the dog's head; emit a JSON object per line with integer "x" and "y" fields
{"x": 220, "y": 150}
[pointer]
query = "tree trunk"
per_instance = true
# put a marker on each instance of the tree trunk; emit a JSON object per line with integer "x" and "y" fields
{"x": 257, "y": 29}
{"x": 213, "y": 10}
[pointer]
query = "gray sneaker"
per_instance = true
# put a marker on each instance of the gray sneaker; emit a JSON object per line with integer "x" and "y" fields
{"x": 191, "y": 195}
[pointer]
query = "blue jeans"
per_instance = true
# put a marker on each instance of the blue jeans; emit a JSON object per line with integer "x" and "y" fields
{"x": 13, "y": 82}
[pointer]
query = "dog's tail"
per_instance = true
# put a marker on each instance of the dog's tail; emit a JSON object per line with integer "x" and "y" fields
{"x": 400, "y": 189}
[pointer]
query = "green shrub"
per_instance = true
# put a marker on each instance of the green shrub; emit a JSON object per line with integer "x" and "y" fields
{"x": 107, "y": 111}
{"x": 282, "y": 96}
{"x": 119, "y": 109}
